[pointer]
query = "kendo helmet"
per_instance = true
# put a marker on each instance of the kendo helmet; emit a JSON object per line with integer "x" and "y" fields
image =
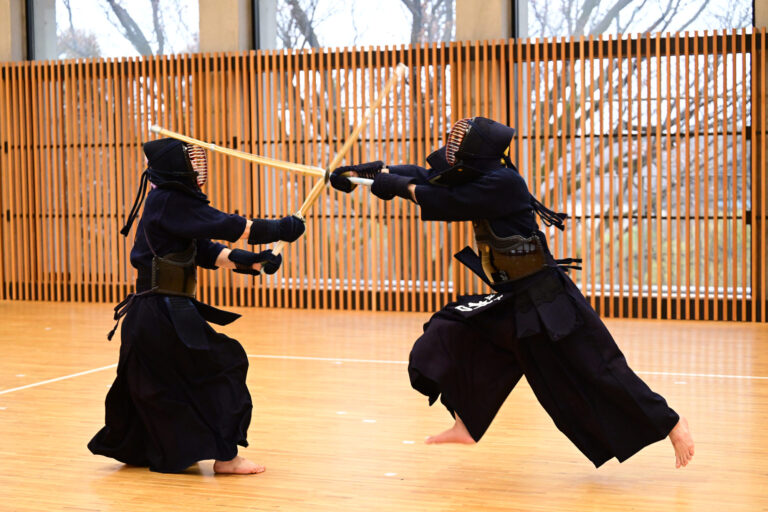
{"x": 473, "y": 146}
{"x": 478, "y": 141}
{"x": 173, "y": 160}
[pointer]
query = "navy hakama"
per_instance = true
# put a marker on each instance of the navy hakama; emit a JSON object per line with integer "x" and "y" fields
{"x": 474, "y": 351}
{"x": 180, "y": 393}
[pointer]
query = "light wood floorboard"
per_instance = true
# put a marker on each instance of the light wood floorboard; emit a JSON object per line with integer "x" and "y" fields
{"x": 309, "y": 425}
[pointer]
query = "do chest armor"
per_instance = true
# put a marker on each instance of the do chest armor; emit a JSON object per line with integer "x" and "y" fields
{"x": 507, "y": 259}
{"x": 175, "y": 273}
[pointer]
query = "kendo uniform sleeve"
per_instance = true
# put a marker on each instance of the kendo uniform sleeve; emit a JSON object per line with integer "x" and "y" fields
{"x": 494, "y": 194}
{"x": 207, "y": 252}
{"x": 189, "y": 217}
{"x": 418, "y": 174}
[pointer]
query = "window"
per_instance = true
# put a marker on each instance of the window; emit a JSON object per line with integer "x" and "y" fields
{"x": 338, "y": 23}
{"x": 113, "y": 28}
{"x": 582, "y": 17}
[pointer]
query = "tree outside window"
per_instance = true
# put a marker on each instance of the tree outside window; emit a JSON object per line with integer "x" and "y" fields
{"x": 337, "y": 23}
{"x": 118, "y": 28}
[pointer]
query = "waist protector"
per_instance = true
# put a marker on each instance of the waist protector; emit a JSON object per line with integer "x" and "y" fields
{"x": 175, "y": 273}
{"x": 507, "y": 259}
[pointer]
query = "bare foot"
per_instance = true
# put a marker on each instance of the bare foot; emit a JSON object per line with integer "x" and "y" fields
{"x": 237, "y": 466}
{"x": 458, "y": 433}
{"x": 682, "y": 442}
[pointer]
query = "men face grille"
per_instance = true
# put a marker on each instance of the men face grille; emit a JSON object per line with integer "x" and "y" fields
{"x": 455, "y": 138}
{"x": 198, "y": 158}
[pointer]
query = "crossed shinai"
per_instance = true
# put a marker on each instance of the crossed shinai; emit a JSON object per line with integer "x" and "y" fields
{"x": 324, "y": 174}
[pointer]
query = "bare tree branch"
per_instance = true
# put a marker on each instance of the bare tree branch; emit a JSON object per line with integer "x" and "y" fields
{"x": 602, "y": 25}
{"x": 303, "y": 21}
{"x": 695, "y": 16}
{"x": 73, "y": 43}
{"x": 431, "y": 20}
{"x": 131, "y": 29}
{"x": 157, "y": 23}
{"x": 621, "y": 29}
{"x": 581, "y": 21}
{"x": 666, "y": 18}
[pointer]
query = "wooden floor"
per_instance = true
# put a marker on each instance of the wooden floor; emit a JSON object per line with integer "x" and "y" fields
{"x": 339, "y": 428}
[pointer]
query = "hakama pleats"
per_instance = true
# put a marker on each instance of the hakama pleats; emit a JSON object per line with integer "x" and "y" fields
{"x": 170, "y": 405}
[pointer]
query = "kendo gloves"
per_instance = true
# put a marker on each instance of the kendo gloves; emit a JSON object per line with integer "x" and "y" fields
{"x": 266, "y": 231}
{"x": 388, "y": 185}
{"x": 339, "y": 177}
{"x": 244, "y": 261}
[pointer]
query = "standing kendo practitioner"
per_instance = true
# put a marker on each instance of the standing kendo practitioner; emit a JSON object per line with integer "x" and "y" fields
{"x": 180, "y": 394}
{"x": 474, "y": 351}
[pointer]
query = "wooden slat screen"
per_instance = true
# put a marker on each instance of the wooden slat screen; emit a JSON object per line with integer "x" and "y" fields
{"x": 655, "y": 145}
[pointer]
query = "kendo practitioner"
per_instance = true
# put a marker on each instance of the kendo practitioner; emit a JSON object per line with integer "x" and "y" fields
{"x": 180, "y": 394}
{"x": 538, "y": 324}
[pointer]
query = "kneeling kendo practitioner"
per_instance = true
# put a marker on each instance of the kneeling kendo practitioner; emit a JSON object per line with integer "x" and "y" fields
{"x": 474, "y": 351}
{"x": 180, "y": 394}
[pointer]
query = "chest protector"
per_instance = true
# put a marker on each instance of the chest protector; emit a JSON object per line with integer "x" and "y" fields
{"x": 175, "y": 273}
{"x": 507, "y": 259}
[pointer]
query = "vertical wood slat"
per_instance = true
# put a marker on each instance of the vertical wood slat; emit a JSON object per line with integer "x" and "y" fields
{"x": 25, "y": 141}
{"x": 661, "y": 279}
{"x": 367, "y": 93}
{"x": 7, "y": 169}
{"x": 413, "y": 276}
{"x": 37, "y": 184}
{"x": 687, "y": 203}
{"x": 756, "y": 130}
{"x": 40, "y": 151}
{"x": 571, "y": 171}
{"x": 648, "y": 249}
{"x": 101, "y": 182}
{"x": 630, "y": 313}
{"x": 44, "y": 185}
{"x": 706, "y": 199}
{"x": 11, "y": 183}
{"x": 74, "y": 157}
{"x": 611, "y": 309}
{"x": 678, "y": 179}
{"x": 712, "y": 208}
{"x": 735, "y": 249}
{"x": 598, "y": 234}
{"x": 620, "y": 193}
{"x": 589, "y": 205}
{"x": 90, "y": 263}
{"x": 553, "y": 167}
{"x": 696, "y": 213}
{"x": 4, "y": 167}
{"x": 429, "y": 232}
{"x": 21, "y": 239}
{"x": 23, "y": 182}
{"x": 582, "y": 224}
{"x": 762, "y": 210}
{"x": 70, "y": 183}
{"x": 743, "y": 224}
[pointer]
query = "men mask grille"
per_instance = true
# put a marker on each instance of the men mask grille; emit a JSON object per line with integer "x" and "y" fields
{"x": 455, "y": 138}
{"x": 199, "y": 161}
